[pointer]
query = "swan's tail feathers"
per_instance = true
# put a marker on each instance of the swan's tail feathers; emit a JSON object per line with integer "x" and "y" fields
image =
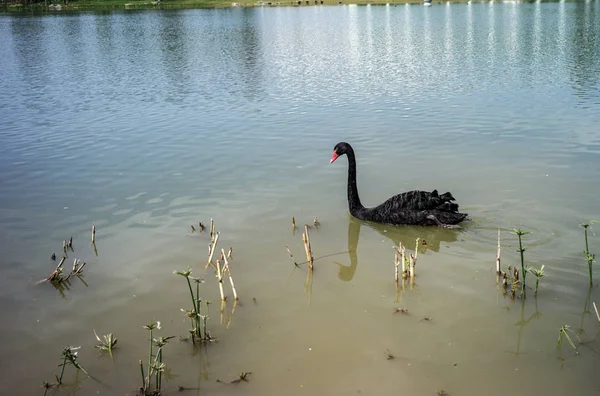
{"x": 445, "y": 201}
{"x": 446, "y": 196}
{"x": 448, "y": 206}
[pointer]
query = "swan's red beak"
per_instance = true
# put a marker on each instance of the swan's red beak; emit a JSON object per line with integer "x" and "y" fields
{"x": 333, "y": 157}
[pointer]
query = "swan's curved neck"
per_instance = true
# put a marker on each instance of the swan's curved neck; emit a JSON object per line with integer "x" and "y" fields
{"x": 353, "y": 199}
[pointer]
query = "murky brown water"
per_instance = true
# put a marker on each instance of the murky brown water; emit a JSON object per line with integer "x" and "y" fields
{"x": 143, "y": 123}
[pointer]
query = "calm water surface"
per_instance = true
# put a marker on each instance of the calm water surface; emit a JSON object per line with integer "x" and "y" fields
{"x": 143, "y": 123}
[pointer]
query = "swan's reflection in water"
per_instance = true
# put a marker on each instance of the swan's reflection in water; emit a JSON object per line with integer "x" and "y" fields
{"x": 433, "y": 237}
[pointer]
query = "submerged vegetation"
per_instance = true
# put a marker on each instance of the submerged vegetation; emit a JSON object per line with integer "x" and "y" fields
{"x": 154, "y": 370}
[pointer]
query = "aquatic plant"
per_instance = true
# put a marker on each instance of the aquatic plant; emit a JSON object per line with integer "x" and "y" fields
{"x": 107, "y": 342}
{"x": 150, "y": 327}
{"x": 199, "y": 329}
{"x": 156, "y": 366}
{"x": 389, "y": 355}
{"x": 522, "y": 250}
{"x": 159, "y": 366}
{"x": 538, "y": 274}
{"x": 242, "y": 377}
{"x": 69, "y": 355}
{"x": 589, "y": 257}
{"x": 564, "y": 332}
{"x": 47, "y": 386}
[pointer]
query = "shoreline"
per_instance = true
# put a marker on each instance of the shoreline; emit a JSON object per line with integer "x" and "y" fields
{"x": 116, "y": 5}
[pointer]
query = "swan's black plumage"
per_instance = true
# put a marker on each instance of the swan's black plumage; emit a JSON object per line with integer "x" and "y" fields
{"x": 413, "y": 207}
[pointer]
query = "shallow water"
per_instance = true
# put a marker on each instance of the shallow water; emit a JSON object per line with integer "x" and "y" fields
{"x": 143, "y": 123}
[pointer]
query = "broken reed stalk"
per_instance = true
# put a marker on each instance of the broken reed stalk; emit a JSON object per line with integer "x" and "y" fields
{"x": 293, "y": 223}
{"x": 212, "y": 229}
{"x": 291, "y": 255}
{"x": 220, "y": 279}
{"x": 417, "y": 248}
{"x": 93, "y": 235}
{"x": 498, "y": 270}
{"x": 396, "y": 264}
{"x": 212, "y": 248}
{"x": 77, "y": 268}
{"x": 54, "y": 273}
{"x": 403, "y": 254}
{"x": 412, "y": 265}
{"x": 596, "y": 309}
{"x": 307, "y": 248}
{"x": 226, "y": 267}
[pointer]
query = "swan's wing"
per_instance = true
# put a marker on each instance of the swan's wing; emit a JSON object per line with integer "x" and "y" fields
{"x": 421, "y": 200}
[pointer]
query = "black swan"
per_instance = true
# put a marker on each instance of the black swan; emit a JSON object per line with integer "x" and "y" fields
{"x": 411, "y": 208}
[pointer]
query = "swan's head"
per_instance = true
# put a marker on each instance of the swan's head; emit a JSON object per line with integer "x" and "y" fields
{"x": 340, "y": 149}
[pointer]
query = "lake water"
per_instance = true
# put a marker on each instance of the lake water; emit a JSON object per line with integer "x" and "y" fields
{"x": 145, "y": 122}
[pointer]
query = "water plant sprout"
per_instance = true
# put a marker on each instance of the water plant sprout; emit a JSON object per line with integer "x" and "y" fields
{"x": 589, "y": 257}
{"x": 107, "y": 342}
{"x": 521, "y": 250}
{"x": 564, "y": 332}
{"x": 538, "y": 274}
{"x": 199, "y": 330}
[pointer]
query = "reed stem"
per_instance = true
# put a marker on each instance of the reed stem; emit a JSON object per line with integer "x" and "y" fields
{"x": 590, "y": 260}
{"x": 403, "y": 254}
{"x": 396, "y": 264}
{"x": 417, "y": 248}
{"x": 291, "y": 255}
{"x": 143, "y": 377}
{"x": 62, "y": 372}
{"x": 150, "y": 358}
{"x": 194, "y": 303}
{"x": 229, "y": 273}
{"x": 520, "y": 233}
{"x": 498, "y": 270}
{"x": 212, "y": 250}
{"x": 307, "y": 248}
{"x": 159, "y": 371}
{"x": 220, "y": 278}
{"x": 198, "y": 313}
{"x": 521, "y": 251}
